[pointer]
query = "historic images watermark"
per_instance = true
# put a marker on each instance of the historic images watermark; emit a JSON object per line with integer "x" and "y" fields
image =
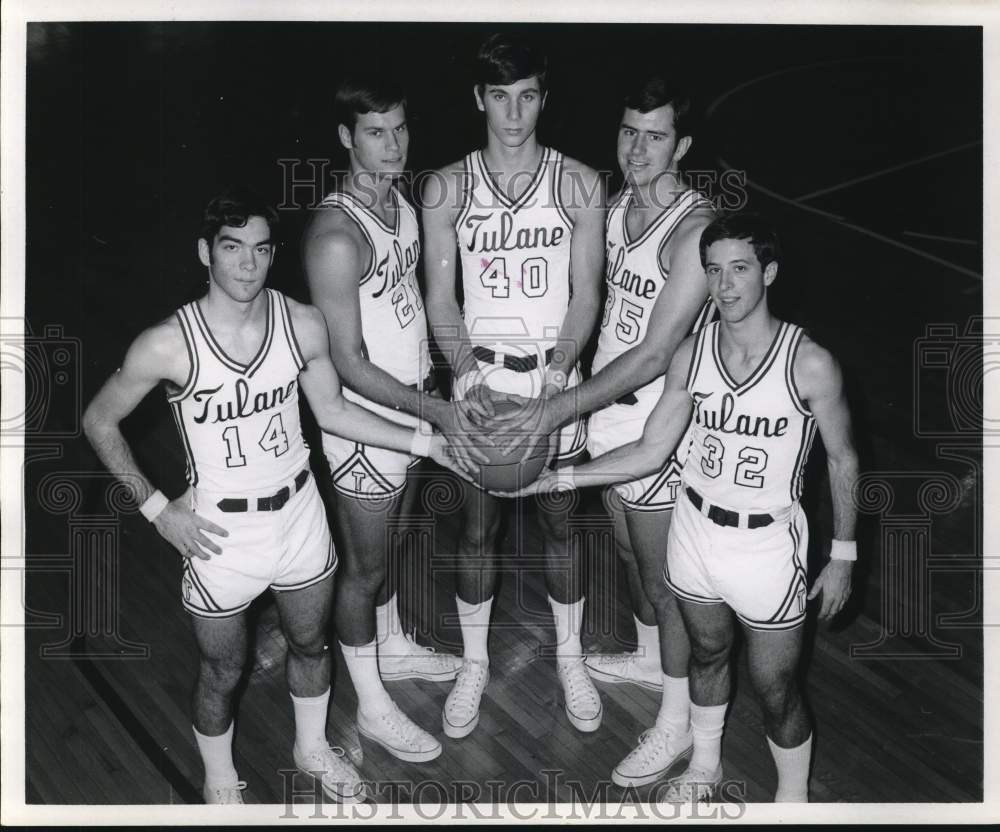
{"x": 556, "y": 797}
{"x": 304, "y": 183}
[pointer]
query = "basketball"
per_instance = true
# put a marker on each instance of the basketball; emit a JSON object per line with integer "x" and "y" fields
{"x": 510, "y": 472}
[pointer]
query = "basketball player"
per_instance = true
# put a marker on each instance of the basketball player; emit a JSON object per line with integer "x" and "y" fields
{"x": 759, "y": 388}
{"x": 360, "y": 253}
{"x": 523, "y": 218}
{"x": 656, "y": 295}
{"x": 252, "y": 518}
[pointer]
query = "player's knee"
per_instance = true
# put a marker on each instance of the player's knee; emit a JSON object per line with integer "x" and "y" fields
{"x": 710, "y": 651}
{"x": 552, "y": 524}
{"x": 778, "y": 693}
{"x": 307, "y": 645}
{"x": 221, "y": 675}
{"x": 480, "y": 537}
{"x": 363, "y": 578}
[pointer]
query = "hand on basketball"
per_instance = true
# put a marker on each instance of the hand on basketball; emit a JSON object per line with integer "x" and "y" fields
{"x": 447, "y": 454}
{"x": 478, "y": 402}
{"x": 185, "y": 530}
{"x": 834, "y": 582}
{"x": 457, "y": 428}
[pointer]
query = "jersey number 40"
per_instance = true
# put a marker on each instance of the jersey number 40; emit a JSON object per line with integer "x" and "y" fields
{"x": 274, "y": 439}
{"x": 534, "y": 280}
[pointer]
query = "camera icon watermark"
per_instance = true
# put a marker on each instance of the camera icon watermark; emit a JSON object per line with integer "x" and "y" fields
{"x": 949, "y": 379}
{"x": 47, "y": 367}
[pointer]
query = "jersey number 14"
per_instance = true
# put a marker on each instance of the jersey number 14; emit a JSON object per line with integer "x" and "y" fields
{"x": 274, "y": 439}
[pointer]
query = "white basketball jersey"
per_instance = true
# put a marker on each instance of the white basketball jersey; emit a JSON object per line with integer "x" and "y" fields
{"x": 393, "y": 324}
{"x": 515, "y": 258}
{"x": 635, "y": 277}
{"x": 239, "y": 423}
{"x": 748, "y": 442}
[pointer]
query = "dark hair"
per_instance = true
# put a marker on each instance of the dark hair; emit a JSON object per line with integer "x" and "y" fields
{"x": 361, "y": 94}
{"x": 654, "y": 91}
{"x": 234, "y": 208}
{"x": 502, "y": 60}
{"x": 744, "y": 226}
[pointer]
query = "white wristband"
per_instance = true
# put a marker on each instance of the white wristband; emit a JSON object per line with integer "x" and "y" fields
{"x": 420, "y": 445}
{"x": 155, "y": 503}
{"x": 844, "y": 550}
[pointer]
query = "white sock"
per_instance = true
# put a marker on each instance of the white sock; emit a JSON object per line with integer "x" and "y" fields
{"x": 569, "y": 622}
{"x": 310, "y": 721}
{"x": 793, "y": 771}
{"x": 648, "y": 638}
{"x": 217, "y": 757}
{"x": 362, "y": 665}
{"x": 706, "y": 724}
{"x": 389, "y": 628}
{"x": 675, "y": 706}
{"x": 474, "y": 620}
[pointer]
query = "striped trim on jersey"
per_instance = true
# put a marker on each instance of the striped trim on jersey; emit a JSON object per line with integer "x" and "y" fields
{"x": 696, "y": 357}
{"x": 349, "y": 204}
{"x": 286, "y": 325}
{"x": 468, "y": 186}
{"x": 557, "y": 170}
{"x": 751, "y": 381}
{"x": 808, "y": 426}
{"x": 255, "y": 363}
{"x": 513, "y": 205}
{"x": 193, "y": 361}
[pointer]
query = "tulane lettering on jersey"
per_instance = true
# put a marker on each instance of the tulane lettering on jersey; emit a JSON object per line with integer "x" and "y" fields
{"x": 634, "y": 278}
{"x": 748, "y": 442}
{"x": 393, "y": 325}
{"x": 239, "y": 423}
{"x": 515, "y": 257}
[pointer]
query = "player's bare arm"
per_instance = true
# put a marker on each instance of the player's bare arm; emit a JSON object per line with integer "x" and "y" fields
{"x": 820, "y": 384}
{"x": 158, "y": 354}
{"x": 670, "y": 322}
{"x": 582, "y": 191}
{"x": 442, "y": 197}
{"x": 334, "y": 258}
{"x": 335, "y": 414}
{"x": 664, "y": 429}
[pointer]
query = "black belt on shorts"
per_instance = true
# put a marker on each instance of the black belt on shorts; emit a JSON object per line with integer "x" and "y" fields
{"x": 628, "y": 398}
{"x": 725, "y": 517}
{"x": 273, "y": 503}
{"x": 517, "y": 363}
{"x": 427, "y": 385}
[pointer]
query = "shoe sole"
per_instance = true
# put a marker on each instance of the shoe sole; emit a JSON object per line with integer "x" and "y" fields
{"x": 624, "y": 781}
{"x": 586, "y": 726}
{"x": 405, "y": 756}
{"x": 601, "y": 676}
{"x": 335, "y": 796}
{"x": 456, "y": 732}
{"x": 416, "y": 674}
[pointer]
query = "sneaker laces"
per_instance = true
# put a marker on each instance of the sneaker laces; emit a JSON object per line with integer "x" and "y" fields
{"x": 653, "y": 743}
{"x": 467, "y": 686}
{"x": 400, "y": 724}
{"x": 579, "y": 689}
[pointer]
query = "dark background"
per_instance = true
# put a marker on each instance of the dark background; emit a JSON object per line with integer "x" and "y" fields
{"x": 863, "y": 144}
